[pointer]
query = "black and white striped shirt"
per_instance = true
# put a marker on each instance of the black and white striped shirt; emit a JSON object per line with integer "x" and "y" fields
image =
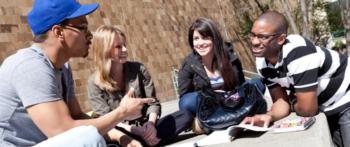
{"x": 302, "y": 66}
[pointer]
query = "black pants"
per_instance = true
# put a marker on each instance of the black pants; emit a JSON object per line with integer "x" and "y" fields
{"x": 168, "y": 127}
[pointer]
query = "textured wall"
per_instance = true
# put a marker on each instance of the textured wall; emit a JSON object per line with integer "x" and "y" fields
{"x": 156, "y": 33}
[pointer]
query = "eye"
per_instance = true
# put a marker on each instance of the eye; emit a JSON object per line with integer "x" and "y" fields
{"x": 81, "y": 28}
{"x": 207, "y": 38}
{"x": 251, "y": 35}
{"x": 263, "y": 37}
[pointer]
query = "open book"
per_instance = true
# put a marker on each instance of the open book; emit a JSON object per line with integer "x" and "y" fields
{"x": 291, "y": 125}
{"x": 227, "y": 135}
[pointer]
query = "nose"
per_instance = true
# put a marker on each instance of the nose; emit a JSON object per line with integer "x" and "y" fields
{"x": 89, "y": 35}
{"x": 254, "y": 40}
{"x": 199, "y": 42}
{"x": 124, "y": 49}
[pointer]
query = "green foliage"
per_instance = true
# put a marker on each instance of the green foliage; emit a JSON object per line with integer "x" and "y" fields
{"x": 297, "y": 17}
{"x": 320, "y": 25}
{"x": 334, "y": 17}
{"x": 246, "y": 25}
{"x": 338, "y": 33}
{"x": 339, "y": 44}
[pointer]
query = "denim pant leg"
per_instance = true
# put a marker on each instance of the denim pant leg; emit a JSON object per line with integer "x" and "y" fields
{"x": 260, "y": 106}
{"x": 344, "y": 123}
{"x": 86, "y": 136}
{"x": 258, "y": 83}
{"x": 188, "y": 102}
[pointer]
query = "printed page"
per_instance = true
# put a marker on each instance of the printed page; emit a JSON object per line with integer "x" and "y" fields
{"x": 252, "y": 128}
{"x": 226, "y": 136}
{"x": 216, "y": 137}
{"x": 291, "y": 125}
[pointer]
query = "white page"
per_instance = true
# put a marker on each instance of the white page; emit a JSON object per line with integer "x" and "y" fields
{"x": 187, "y": 144}
{"x": 252, "y": 128}
{"x": 216, "y": 137}
{"x": 225, "y": 136}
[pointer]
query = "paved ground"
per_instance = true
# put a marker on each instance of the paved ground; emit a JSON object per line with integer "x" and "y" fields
{"x": 169, "y": 107}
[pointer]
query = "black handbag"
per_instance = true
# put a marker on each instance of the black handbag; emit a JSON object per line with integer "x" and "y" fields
{"x": 219, "y": 110}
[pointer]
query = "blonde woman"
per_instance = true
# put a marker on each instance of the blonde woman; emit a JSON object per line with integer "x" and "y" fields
{"x": 114, "y": 77}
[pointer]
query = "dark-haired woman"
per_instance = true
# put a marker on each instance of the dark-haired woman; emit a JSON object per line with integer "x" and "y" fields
{"x": 212, "y": 64}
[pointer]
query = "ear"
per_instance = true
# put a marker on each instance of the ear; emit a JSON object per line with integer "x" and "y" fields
{"x": 281, "y": 39}
{"x": 57, "y": 31}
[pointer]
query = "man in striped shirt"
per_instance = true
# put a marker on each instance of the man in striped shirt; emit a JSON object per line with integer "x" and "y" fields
{"x": 301, "y": 77}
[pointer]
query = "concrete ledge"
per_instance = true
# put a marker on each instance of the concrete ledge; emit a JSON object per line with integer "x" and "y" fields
{"x": 317, "y": 135}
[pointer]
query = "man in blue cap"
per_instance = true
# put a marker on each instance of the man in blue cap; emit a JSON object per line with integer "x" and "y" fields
{"x": 37, "y": 98}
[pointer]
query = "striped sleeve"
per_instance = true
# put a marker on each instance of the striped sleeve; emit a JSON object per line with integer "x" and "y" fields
{"x": 303, "y": 63}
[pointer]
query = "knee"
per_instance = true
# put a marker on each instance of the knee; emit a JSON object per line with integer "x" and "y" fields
{"x": 185, "y": 104}
{"x": 91, "y": 137}
{"x": 88, "y": 136}
{"x": 188, "y": 102}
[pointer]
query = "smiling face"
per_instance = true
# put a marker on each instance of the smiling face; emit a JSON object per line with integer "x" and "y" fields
{"x": 202, "y": 45}
{"x": 264, "y": 40}
{"x": 119, "y": 53}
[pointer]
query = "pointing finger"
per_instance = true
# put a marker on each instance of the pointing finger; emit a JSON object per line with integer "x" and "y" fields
{"x": 131, "y": 92}
{"x": 147, "y": 100}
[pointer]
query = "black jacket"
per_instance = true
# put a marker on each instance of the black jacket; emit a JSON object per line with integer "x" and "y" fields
{"x": 192, "y": 76}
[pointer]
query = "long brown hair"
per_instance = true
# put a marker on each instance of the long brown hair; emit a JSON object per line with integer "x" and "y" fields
{"x": 221, "y": 61}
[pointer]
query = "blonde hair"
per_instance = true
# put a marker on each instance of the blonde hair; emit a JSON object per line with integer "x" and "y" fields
{"x": 102, "y": 44}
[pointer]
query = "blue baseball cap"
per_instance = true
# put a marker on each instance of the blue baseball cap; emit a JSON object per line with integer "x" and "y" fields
{"x": 46, "y": 13}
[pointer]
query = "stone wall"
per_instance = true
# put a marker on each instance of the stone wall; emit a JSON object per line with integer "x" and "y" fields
{"x": 156, "y": 33}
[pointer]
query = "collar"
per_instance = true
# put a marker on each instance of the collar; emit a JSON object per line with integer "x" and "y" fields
{"x": 39, "y": 50}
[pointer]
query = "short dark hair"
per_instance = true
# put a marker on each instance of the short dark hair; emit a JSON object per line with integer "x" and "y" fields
{"x": 43, "y": 36}
{"x": 40, "y": 38}
{"x": 276, "y": 19}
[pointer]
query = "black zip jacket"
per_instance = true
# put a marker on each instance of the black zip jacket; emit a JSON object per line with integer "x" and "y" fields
{"x": 192, "y": 76}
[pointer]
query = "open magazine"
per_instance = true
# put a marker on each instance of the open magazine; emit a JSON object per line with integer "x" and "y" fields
{"x": 227, "y": 135}
{"x": 292, "y": 125}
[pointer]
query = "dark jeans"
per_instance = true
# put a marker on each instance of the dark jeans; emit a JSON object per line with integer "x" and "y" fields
{"x": 339, "y": 125}
{"x": 168, "y": 127}
{"x": 189, "y": 101}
